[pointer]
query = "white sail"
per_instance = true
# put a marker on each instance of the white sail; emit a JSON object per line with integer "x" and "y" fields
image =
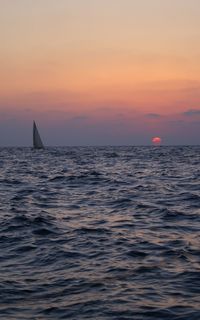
{"x": 37, "y": 142}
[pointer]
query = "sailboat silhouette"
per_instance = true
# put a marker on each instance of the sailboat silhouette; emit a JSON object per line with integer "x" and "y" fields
{"x": 37, "y": 142}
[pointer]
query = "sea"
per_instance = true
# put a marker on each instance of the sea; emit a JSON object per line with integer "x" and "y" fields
{"x": 104, "y": 233}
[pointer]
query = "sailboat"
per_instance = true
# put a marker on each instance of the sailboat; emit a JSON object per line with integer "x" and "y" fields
{"x": 37, "y": 142}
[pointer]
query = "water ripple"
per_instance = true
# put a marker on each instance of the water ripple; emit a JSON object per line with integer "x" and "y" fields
{"x": 100, "y": 233}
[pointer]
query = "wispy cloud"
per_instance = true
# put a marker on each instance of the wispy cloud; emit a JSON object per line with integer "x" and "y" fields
{"x": 153, "y": 115}
{"x": 192, "y": 112}
{"x": 80, "y": 117}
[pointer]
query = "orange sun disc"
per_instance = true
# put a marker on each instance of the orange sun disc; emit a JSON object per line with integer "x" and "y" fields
{"x": 156, "y": 140}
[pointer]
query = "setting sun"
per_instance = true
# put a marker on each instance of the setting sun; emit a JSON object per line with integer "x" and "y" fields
{"x": 156, "y": 140}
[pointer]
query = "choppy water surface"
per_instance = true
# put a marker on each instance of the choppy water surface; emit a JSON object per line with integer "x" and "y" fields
{"x": 100, "y": 233}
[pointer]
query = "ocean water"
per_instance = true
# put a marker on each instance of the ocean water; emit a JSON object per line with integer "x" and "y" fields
{"x": 100, "y": 233}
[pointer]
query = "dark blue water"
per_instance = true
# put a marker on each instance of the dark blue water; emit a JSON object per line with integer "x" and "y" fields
{"x": 100, "y": 233}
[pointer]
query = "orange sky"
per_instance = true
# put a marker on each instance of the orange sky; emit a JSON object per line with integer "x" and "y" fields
{"x": 79, "y": 57}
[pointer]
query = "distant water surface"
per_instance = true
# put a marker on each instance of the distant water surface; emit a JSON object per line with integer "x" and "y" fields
{"x": 110, "y": 233}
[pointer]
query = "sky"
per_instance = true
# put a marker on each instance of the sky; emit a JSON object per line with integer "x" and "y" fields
{"x": 100, "y": 72}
